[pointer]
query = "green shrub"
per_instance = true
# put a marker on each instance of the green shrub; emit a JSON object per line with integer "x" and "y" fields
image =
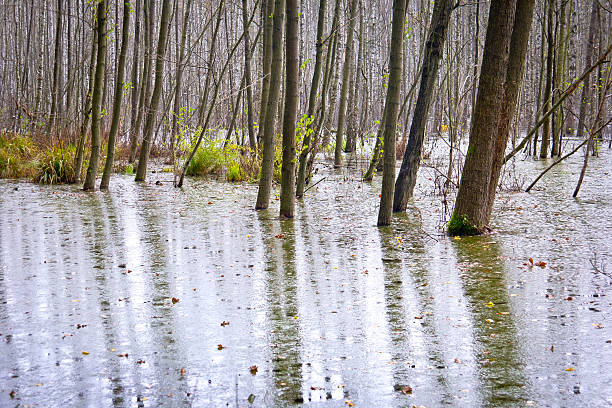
{"x": 234, "y": 173}
{"x": 210, "y": 158}
{"x": 56, "y": 165}
{"x": 16, "y": 156}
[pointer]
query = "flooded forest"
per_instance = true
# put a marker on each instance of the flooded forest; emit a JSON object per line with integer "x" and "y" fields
{"x": 323, "y": 203}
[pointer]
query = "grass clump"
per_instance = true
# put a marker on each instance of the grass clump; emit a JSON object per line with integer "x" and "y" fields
{"x": 210, "y": 158}
{"x": 459, "y": 225}
{"x": 56, "y": 165}
{"x": 17, "y": 154}
{"x": 234, "y": 173}
{"x": 215, "y": 157}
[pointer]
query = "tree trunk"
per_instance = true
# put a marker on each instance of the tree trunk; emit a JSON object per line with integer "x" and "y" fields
{"x": 268, "y": 23}
{"x": 247, "y": 72}
{"x": 55, "y": 87}
{"x": 151, "y": 115}
{"x": 406, "y": 180}
{"x": 314, "y": 89}
{"x": 470, "y": 212}
{"x": 549, "y": 79}
{"x": 80, "y": 153}
{"x": 96, "y": 104}
{"x": 287, "y": 198}
{"x": 135, "y": 89}
{"x": 346, "y": 74}
{"x": 119, "y": 84}
{"x": 586, "y": 89}
{"x": 267, "y": 164}
{"x": 391, "y": 109}
{"x": 178, "y": 86}
{"x": 514, "y": 76}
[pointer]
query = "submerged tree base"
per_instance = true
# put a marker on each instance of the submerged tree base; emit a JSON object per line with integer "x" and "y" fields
{"x": 460, "y": 225}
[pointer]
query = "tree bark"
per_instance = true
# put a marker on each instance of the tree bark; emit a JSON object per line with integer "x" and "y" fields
{"x": 391, "y": 109}
{"x": 346, "y": 74}
{"x": 314, "y": 88}
{"x": 470, "y": 212}
{"x": 267, "y": 164}
{"x": 287, "y": 198}
{"x": 119, "y": 85}
{"x": 586, "y": 90}
{"x": 151, "y": 114}
{"x": 96, "y": 104}
{"x": 549, "y": 77}
{"x": 268, "y": 23}
{"x": 57, "y": 62}
{"x": 514, "y": 76}
{"x": 406, "y": 180}
{"x": 247, "y": 72}
{"x": 80, "y": 153}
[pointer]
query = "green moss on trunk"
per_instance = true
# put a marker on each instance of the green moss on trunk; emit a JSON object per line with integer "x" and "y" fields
{"x": 460, "y": 225}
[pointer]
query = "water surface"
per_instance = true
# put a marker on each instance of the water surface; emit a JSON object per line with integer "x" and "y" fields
{"x": 326, "y": 310}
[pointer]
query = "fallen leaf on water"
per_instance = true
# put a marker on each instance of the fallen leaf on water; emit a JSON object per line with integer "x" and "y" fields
{"x": 85, "y": 353}
{"x": 251, "y": 398}
{"x": 175, "y": 300}
{"x": 531, "y": 261}
{"x": 541, "y": 264}
{"x": 406, "y": 389}
{"x": 253, "y": 369}
{"x": 490, "y": 304}
{"x": 598, "y": 325}
{"x": 570, "y": 369}
{"x": 349, "y": 403}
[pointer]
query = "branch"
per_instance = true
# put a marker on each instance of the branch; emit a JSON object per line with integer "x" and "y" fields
{"x": 568, "y": 92}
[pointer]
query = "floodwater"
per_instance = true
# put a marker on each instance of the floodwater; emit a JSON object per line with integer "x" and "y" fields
{"x": 148, "y": 296}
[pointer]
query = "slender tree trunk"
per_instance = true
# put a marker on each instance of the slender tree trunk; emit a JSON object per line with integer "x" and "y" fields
{"x": 549, "y": 78}
{"x": 586, "y": 89}
{"x": 267, "y": 164}
{"x": 151, "y": 114}
{"x": 96, "y": 104}
{"x": 346, "y": 74}
{"x": 470, "y": 212}
{"x": 119, "y": 85}
{"x": 135, "y": 88}
{"x": 287, "y": 198}
{"x": 80, "y": 153}
{"x": 268, "y": 23}
{"x": 247, "y": 72}
{"x": 314, "y": 89}
{"x": 540, "y": 82}
{"x": 559, "y": 79}
{"x": 178, "y": 87}
{"x": 55, "y": 89}
{"x": 391, "y": 108}
{"x": 406, "y": 180}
